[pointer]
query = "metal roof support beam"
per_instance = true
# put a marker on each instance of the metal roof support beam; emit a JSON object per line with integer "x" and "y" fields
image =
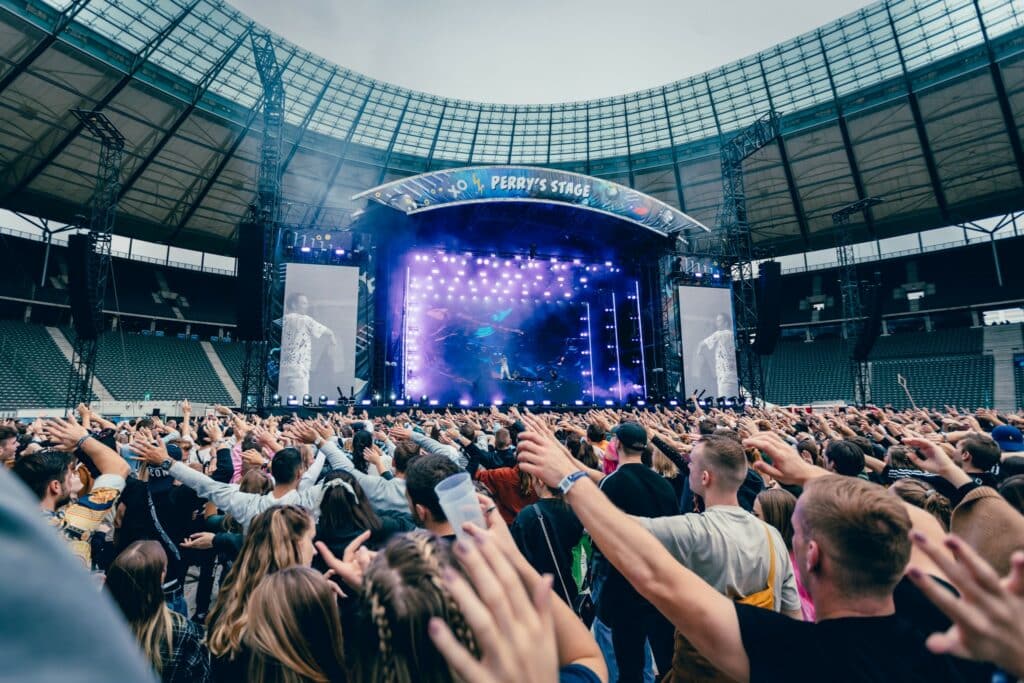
{"x": 212, "y": 179}
{"x": 197, "y": 95}
{"x": 394, "y": 138}
{"x": 587, "y": 114}
{"x": 675, "y": 156}
{"x": 1004, "y": 102}
{"x": 476, "y": 129}
{"x": 922, "y": 134}
{"x": 437, "y": 134}
{"x": 333, "y": 176}
{"x": 512, "y": 138}
{"x": 844, "y": 131}
{"x": 794, "y": 194}
{"x": 63, "y": 21}
{"x": 629, "y": 147}
{"x": 306, "y": 120}
{"x": 140, "y": 60}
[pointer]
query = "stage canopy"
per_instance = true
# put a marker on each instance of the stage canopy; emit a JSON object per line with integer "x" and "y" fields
{"x": 478, "y": 184}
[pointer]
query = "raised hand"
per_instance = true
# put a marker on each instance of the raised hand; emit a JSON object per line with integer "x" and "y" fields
{"x": 544, "y": 458}
{"x": 512, "y": 626}
{"x": 783, "y": 463}
{"x": 64, "y": 432}
{"x": 930, "y": 457}
{"x": 353, "y": 563}
{"x": 400, "y": 434}
{"x": 303, "y": 432}
{"x": 987, "y": 624}
{"x": 149, "y": 450}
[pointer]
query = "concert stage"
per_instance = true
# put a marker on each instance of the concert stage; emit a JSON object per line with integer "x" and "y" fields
{"x": 499, "y": 284}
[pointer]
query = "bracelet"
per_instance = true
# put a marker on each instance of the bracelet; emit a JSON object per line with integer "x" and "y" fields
{"x": 82, "y": 440}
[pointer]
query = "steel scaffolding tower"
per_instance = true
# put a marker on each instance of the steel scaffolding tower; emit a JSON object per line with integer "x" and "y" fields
{"x": 102, "y": 212}
{"x": 733, "y": 247}
{"x": 849, "y": 287}
{"x": 264, "y": 213}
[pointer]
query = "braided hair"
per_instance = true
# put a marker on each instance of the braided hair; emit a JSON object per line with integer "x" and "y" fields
{"x": 404, "y": 590}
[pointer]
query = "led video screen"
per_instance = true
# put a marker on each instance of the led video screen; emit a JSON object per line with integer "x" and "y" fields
{"x": 317, "y": 353}
{"x": 709, "y": 349}
{"x": 482, "y": 329}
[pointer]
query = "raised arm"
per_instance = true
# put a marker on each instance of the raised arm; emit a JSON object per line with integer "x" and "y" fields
{"x": 707, "y": 618}
{"x": 72, "y": 436}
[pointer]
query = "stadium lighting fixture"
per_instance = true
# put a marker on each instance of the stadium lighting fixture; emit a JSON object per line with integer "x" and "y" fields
{"x": 292, "y": 400}
{"x": 307, "y": 400}
{"x": 322, "y": 400}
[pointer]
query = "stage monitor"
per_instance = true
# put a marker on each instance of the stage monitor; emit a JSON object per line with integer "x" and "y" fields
{"x": 317, "y": 353}
{"x": 709, "y": 349}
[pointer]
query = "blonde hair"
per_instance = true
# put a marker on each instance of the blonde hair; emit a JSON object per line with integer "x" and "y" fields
{"x": 270, "y": 545}
{"x": 134, "y": 581}
{"x": 664, "y": 466}
{"x": 294, "y": 630}
{"x": 404, "y": 590}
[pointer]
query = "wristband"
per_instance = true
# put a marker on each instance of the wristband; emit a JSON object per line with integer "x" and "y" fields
{"x": 570, "y": 480}
{"x": 82, "y": 440}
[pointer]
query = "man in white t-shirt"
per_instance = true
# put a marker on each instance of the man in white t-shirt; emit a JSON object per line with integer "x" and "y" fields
{"x": 723, "y": 349}
{"x": 732, "y": 550}
{"x": 297, "y": 332}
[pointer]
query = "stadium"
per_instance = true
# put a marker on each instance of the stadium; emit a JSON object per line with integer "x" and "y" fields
{"x": 242, "y": 267}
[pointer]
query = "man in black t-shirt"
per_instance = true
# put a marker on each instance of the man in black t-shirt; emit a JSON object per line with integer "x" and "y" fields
{"x": 637, "y": 490}
{"x": 852, "y": 547}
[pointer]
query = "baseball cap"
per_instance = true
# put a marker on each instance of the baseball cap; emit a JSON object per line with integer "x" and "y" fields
{"x": 631, "y": 435}
{"x": 1009, "y": 438}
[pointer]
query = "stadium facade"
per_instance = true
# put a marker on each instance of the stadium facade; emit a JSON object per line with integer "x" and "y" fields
{"x": 920, "y": 102}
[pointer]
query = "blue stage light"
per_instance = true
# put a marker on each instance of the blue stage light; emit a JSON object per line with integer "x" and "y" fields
{"x": 578, "y": 402}
{"x": 529, "y": 402}
{"x": 545, "y": 402}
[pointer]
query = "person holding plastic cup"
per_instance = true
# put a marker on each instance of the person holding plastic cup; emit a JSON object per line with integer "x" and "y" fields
{"x": 424, "y": 473}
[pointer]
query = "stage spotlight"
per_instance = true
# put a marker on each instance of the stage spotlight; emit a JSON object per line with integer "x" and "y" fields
{"x": 497, "y": 402}
{"x": 578, "y": 402}
{"x": 307, "y": 400}
{"x": 292, "y": 401}
{"x": 641, "y": 402}
{"x": 432, "y": 402}
{"x": 529, "y": 402}
{"x": 366, "y": 402}
{"x": 463, "y": 402}
{"x": 545, "y": 402}
{"x": 306, "y": 250}
{"x": 400, "y": 402}
{"x": 673, "y": 403}
{"x": 322, "y": 401}
{"x": 609, "y": 402}
{"x": 275, "y": 400}
{"x": 392, "y": 396}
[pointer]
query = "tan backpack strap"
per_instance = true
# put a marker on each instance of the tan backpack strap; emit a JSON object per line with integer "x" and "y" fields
{"x": 771, "y": 556}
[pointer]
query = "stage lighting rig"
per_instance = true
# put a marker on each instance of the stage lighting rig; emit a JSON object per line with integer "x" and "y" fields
{"x": 292, "y": 400}
{"x": 275, "y": 400}
{"x": 322, "y": 400}
{"x": 307, "y": 401}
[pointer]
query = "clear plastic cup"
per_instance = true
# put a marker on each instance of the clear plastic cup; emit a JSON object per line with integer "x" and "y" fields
{"x": 458, "y": 500}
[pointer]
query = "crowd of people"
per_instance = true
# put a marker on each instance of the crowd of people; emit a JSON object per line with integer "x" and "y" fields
{"x": 632, "y": 544}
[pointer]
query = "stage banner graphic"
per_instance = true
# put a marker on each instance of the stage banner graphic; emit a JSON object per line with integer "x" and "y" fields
{"x": 317, "y": 354}
{"x": 452, "y": 187}
{"x": 709, "y": 347}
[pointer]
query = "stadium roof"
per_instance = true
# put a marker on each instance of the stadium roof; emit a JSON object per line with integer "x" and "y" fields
{"x": 919, "y": 102}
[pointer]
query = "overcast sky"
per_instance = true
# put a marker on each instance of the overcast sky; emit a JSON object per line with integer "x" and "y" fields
{"x": 529, "y": 51}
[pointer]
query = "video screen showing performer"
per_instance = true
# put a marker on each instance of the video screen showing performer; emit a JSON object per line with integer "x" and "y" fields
{"x": 317, "y": 350}
{"x": 709, "y": 346}
{"x": 513, "y": 353}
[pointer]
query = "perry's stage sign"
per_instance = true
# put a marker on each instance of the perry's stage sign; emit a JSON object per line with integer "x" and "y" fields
{"x": 453, "y": 187}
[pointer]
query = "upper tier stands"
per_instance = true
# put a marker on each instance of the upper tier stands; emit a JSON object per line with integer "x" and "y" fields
{"x": 233, "y": 357}
{"x": 33, "y": 371}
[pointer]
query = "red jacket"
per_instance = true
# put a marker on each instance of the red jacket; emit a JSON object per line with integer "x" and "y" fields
{"x": 503, "y": 482}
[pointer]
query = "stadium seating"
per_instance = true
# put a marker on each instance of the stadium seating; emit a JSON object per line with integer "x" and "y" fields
{"x": 167, "y": 369}
{"x": 33, "y": 371}
{"x": 928, "y": 344}
{"x": 232, "y": 355}
{"x": 805, "y": 372}
{"x": 952, "y": 380}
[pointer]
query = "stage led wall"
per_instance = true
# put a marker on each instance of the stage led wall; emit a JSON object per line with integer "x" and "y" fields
{"x": 317, "y": 353}
{"x": 709, "y": 350}
{"x": 478, "y": 329}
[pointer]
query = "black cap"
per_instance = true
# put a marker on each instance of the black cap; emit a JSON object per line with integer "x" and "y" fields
{"x": 632, "y": 436}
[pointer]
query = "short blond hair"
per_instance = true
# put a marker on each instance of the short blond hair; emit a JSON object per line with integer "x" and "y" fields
{"x": 864, "y": 531}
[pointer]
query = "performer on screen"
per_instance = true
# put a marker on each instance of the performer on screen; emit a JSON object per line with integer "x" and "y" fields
{"x": 297, "y": 332}
{"x": 505, "y": 374}
{"x": 720, "y": 343}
